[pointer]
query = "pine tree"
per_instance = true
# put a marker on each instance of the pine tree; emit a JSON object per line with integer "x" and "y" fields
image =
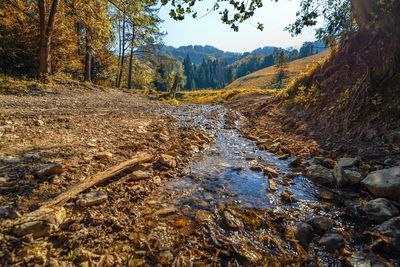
{"x": 281, "y": 64}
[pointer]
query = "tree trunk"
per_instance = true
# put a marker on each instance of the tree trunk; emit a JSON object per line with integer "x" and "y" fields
{"x": 175, "y": 85}
{"x": 46, "y": 31}
{"x": 122, "y": 61}
{"x": 119, "y": 52}
{"x": 364, "y": 11}
{"x": 131, "y": 60}
{"x": 88, "y": 62}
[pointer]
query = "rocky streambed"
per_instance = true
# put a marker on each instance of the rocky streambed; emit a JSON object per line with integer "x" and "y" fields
{"x": 242, "y": 205}
{"x": 237, "y": 202}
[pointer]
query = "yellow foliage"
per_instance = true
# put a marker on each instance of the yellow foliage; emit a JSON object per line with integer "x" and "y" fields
{"x": 220, "y": 96}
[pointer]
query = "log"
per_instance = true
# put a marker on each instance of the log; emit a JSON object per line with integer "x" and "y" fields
{"x": 141, "y": 157}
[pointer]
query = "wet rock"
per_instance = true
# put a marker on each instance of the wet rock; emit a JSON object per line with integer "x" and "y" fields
{"x": 294, "y": 162}
{"x": 165, "y": 211}
{"x": 231, "y": 221}
{"x": 245, "y": 250}
{"x": 304, "y": 233}
{"x": 168, "y": 161}
{"x": 320, "y": 175}
{"x": 270, "y": 172}
{"x": 275, "y": 147}
{"x": 50, "y": 170}
{"x": 391, "y": 230}
{"x": 331, "y": 242}
{"x": 321, "y": 224}
{"x": 284, "y": 157}
{"x": 41, "y": 222}
{"x": 361, "y": 259}
{"x": 204, "y": 216}
{"x": 288, "y": 196}
{"x": 256, "y": 168}
{"x": 380, "y": 210}
{"x": 272, "y": 186}
{"x": 344, "y": 163}
{"x": 103, "y": 156}
{"x": 93, "y": 198}
{"x": 384, "y": 183}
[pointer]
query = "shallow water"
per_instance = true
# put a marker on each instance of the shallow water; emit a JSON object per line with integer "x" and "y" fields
{"x": 222, "y": 174}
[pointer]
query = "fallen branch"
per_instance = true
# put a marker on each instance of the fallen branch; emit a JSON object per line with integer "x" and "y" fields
{"x": 141, "y": 157}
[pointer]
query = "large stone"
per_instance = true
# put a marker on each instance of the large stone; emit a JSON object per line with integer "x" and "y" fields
{"x": 41, "y": 222}
{"x": 93, "y": 198}
{"x": 320, "y": 175}
{"x": 339, "y": 170}
{"x": 321, "y": 224}
{"x": 168, "y": 161}
{"x": 391, "y": 230}
{"x": 304, "y": 233}
{"x": 380, "y": 210}
{"x": 384, "y": 183}
{"x": 50, "y": 170}
{"x": 331, "y": 242}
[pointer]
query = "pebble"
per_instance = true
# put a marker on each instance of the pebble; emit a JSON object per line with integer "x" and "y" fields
{"x": 93, "y": 198}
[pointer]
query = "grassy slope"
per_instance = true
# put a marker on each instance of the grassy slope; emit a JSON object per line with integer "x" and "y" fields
{"x": 264, "y": 78}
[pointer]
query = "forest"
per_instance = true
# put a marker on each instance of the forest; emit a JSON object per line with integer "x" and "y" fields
{"x": 120, "y": 46}
{"x": 119, "y": 149}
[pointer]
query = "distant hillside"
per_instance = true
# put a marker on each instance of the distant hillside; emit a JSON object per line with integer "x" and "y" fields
{"x": 265, "y": 78}
{"x": 198, "y": 52}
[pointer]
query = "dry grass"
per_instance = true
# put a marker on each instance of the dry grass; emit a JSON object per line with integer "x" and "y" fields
{"x": 265, "y": 78}
{"x": 218, "y": 96}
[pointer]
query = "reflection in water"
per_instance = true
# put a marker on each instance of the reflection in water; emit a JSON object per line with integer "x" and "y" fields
{"x": 223, "y": 173}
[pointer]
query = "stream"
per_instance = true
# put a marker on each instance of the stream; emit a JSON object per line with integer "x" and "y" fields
{"x": 223, "y": 212}
{"x": 228, "y": 172}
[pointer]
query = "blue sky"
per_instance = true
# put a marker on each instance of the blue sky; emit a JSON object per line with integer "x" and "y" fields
{"x": 209, "y": 29}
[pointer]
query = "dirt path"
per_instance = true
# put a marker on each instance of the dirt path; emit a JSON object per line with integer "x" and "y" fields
{"x": 85, "y": 132}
